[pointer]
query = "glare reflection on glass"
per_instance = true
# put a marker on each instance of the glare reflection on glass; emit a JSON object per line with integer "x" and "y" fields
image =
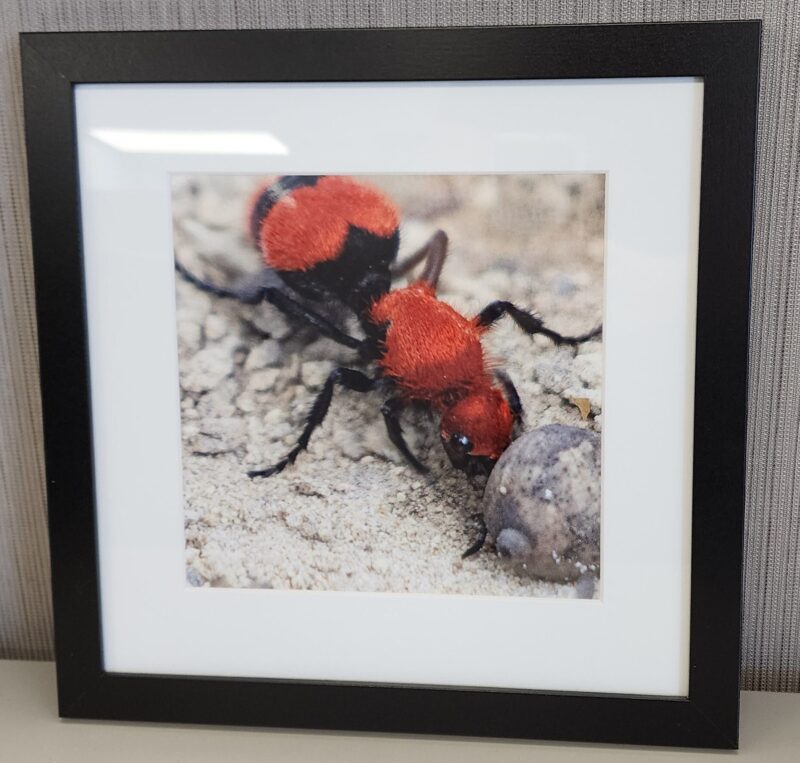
{"x": 191, "y": 141}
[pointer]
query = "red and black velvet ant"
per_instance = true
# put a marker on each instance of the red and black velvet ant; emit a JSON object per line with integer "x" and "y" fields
{"x": 326, "y": 238}
{"x": 335, "y": 238}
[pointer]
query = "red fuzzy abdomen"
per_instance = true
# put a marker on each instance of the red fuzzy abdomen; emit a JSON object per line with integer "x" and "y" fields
{"x": 430, "y": 347}
{"x": 309, "y": 225}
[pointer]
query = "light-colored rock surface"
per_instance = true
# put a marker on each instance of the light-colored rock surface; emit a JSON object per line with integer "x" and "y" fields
{"x": 350, "y": 514}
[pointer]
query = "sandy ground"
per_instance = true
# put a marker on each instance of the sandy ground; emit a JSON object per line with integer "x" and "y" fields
{"x": 350, "y": 515}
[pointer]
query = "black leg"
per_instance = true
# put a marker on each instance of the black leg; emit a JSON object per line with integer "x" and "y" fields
{"x": 529, "y": 323}
{"x": 391, "y": 410}
{"x": 347, "y": 378}
{"x": 511, "y": 393}
{"x": 434, "y": 252}
{"x": 288, "y": 306}
{"x": 293, "y": 309}
{"x": 410, "y": 262}
{"x": 481, "y": 539}
{"x": 250, "y": 298}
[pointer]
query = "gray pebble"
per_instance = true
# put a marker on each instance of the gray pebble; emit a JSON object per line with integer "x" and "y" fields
{"x": 586, "y": 585}
{"x": 217, "y": 436}
{"x": 267, "y": 319}
{"x": 216, "y": 327}
{"x": 194, "y": 578}
{"x": 563, "y": 285}
{"x": 542, "y": 503}
{"x": 189, "y": 335}
{"x": 263, "y": 381}
{"x": 268, "y": 353}
{"x": 313, "y": 373}
{"x": 207, "y": 368}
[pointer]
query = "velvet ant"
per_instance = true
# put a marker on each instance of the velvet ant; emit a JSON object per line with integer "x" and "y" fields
{"x": 325, "y": 238}
{"x": 333, "y": 238}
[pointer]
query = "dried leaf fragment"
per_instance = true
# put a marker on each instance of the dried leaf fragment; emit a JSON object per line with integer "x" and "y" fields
{"x": 583, "y": 405}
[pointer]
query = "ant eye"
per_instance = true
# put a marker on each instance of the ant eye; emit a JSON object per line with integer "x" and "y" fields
{"x": 462, "y": 442}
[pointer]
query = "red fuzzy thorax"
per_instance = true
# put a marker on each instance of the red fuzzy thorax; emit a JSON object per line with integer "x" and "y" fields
{"x": 435, "y": 354}
{"x": 430, "y": 348}
{"x": 310, "y": 225}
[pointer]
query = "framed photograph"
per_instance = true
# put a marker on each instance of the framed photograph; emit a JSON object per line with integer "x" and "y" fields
{"x": 396, "y": 380}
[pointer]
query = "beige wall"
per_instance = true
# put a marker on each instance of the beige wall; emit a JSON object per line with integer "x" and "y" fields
{"x": 771, "y": 627}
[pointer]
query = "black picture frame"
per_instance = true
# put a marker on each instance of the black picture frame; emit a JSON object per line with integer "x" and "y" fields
{"x": 725, "y": 55}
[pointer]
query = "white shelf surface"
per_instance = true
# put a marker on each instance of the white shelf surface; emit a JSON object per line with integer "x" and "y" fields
{"x": 30, "y": 732}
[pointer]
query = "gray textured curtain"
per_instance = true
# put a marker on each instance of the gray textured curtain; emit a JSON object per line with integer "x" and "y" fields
{"x": 771, "y": 626}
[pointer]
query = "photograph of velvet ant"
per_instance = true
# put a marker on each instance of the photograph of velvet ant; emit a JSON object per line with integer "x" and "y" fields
{"x": 391, "y": 383}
